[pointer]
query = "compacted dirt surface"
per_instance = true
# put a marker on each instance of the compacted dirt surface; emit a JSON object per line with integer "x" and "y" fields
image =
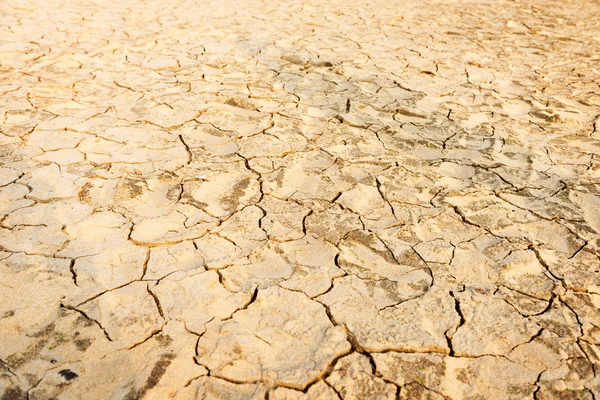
{"x": 299, "y": 199}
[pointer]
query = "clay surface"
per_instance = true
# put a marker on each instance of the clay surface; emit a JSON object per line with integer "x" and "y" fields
{"x": 256, "y": 199}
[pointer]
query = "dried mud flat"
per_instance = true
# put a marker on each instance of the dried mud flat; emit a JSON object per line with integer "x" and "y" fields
{"x": 299, "y": 200}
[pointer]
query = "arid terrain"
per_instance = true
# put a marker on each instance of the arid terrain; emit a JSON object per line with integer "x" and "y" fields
{"x": 257, "y": 199}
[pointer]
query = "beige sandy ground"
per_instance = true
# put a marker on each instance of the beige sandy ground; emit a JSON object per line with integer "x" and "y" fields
{"x": 299, "y": 199}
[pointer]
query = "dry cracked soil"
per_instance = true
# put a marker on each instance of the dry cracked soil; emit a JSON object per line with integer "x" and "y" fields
{"x": 257, "y": 199}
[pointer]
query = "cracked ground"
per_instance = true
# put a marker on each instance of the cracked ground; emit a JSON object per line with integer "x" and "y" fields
{"x": 299, "y": 200}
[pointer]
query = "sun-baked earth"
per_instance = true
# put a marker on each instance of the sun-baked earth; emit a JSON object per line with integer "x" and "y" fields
{"x": 342, "y": 199}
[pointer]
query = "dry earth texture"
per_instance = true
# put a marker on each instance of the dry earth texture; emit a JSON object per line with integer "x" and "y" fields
{"x": 299, "y": 199}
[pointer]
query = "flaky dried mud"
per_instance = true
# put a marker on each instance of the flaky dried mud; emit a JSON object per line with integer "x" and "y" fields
{"x": 300, "y": 200}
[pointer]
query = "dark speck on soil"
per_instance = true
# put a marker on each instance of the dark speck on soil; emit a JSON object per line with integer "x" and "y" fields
{"x": 68, "y": 374}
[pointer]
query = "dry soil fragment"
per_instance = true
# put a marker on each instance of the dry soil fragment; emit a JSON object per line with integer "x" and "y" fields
{"x": 381, "y": 317}
{"x": 226, "y": 193}
{"x": 165, "y": 260}
{"x": 209, "y": 388}
{"x": 129, "y": 314}
{"x": 492, "y": 326}
{"x": 319, "y": 391}
{"x": 458, "y": 378}
{"x": 197, "y": 298}
{"x": 283, "y": 337}
{"x": 353, "y": 379}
